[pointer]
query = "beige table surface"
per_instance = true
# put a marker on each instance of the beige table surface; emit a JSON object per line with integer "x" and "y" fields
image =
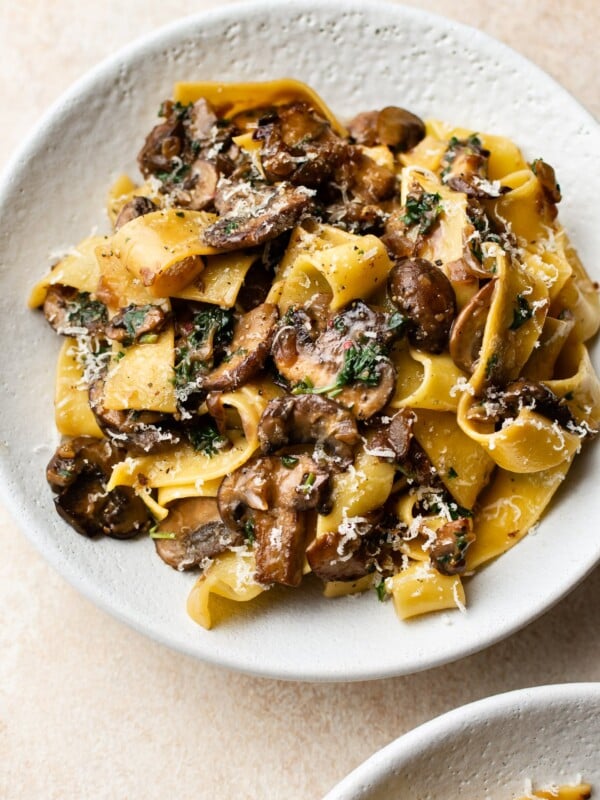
{"x": 89, "y": 708}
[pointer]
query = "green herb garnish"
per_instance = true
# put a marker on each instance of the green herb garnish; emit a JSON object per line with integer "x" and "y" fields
{"x": 206, "y": 439}
{"x": 289, "y": 462}
{"x": 521, "y": 313}
{"x": 249, "y": 534}
{"x": 423, "y": 210}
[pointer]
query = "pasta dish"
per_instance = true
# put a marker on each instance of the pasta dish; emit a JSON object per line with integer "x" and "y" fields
{"x": 355, "y": 350}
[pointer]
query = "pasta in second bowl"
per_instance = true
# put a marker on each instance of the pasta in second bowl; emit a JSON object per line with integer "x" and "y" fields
{"x": 312, "y": 257}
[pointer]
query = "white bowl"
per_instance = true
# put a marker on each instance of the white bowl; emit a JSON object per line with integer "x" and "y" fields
{"x": 489, "y": 749}
{"x": 359, "y": 56}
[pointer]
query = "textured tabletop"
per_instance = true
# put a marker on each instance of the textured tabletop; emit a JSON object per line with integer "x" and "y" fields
{"x": 91, "y": 709}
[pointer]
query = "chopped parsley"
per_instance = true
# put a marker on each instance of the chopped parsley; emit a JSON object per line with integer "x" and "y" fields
{"x": 382, "y": 592}
{"x": 249, "y": 534}
{"x": 155, "y": 533}
{"x": 360, "y": 366}
{"x": 176, "y": 175}
{"x": 206, "y": 439}
{"x": 452, "y": 473}
{"x": 131, "y": 319}
{"x": 490, "y": 365}
{"x": 289, "y": 462}
{"x": 83, "y": 312}
{"x": 521, "y": 313}
{"x": 423, "y": 210}
{"x": 309, "y": 481}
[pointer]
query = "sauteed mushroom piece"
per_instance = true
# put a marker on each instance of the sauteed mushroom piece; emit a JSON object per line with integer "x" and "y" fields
{"x": 136, "y": 207}
{"x": 392, "y": 126}
{"x": 71, "y": 312}
{"x": 309, "y": 418}
{"x": 266, "y": 499}
{"x": 247, "y": 352}
{"x": 193, "y": 533}
{"x": 347, "y": 360}
{"x": 425, "y": 296}
{"x": 466, "y": 336}
{"x": 78, "y": 473}
{"x": 447, "y": 554}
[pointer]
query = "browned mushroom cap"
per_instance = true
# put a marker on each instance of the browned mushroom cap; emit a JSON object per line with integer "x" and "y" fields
{"x": 247, "y": 352}
{"x": 193, "y": 533}
{"x": 402, "y": 240}
{"x": 498, "y": 405}
{"x": 71, "y": 312}
{"x": 309, "y": 418}
{"x": 347, "y": 360}
{"x": 135, "y": 323}
{"x": 270, "y": 213}
{"x": 547, "y": 178}
{"x": 136, "y": 207}
{"x": 468, "y": 328}
{"x": 447, "y": 554}
{"x": 424, "y": 294}
{"x": 362, "y": 178}
{"x": 140, "y": 431}
{"x": 465, "y": 168}
{"x": 199, "y": 188}
{"x": 78, "y": 472}
{"x": 267, "y": 499}
{"x": 391, "y": 436}
{"x": 395, "y": 127}
{"x": 299, "y": 146}
{"x": 360, "y": 545}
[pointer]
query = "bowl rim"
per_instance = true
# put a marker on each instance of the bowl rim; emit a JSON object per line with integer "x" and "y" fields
{"x": 398, "y": 754}
{"x": 163, "y": 36}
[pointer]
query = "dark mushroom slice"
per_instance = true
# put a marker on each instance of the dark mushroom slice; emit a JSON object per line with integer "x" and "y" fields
{"x": 270, "y": 213}
{"x": 447, "y": 553}
{"x": 362, "y": 178}
{"x": 247, "y": 352}
{"x": 391, "y": 436}
{"x": 465, "y": 168}
{"x": 466, "y": 335}
{"x": 498, "y": 405}
{"x": 198, "y": 189}
{"x": 136, "y": 323}
{"x": 299, "y": 146}
{"x": 71, "y": 312}
{"x": 422, "y": 293}
{"x": 256, "y": 286}
{"x": 268, "y": 497}
{"x": 142, "y": 432}
{"x": 395, "y": 127}
{"x": 164, "y": 143}
{"x": 193, "y": 533}
{"x": 360, "y": 546}
{"x": 347, "y": 360}
{"x": 78, "y": 473}
{"x": 136, "y": 207}
{"x": 547, "y": 178}
{"x": 309, "y": 419}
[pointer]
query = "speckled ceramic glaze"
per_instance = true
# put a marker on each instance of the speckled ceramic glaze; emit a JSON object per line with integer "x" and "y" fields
{"x": 489, "y": 749}
{"x": 358, "y": 56}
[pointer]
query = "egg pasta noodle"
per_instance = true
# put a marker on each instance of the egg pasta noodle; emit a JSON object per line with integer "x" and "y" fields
{"x": 353, "y": 350}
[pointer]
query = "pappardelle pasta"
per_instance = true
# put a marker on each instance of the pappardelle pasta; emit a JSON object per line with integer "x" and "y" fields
{"x": 356, "y": 351}
{"x": 578, "y": 791}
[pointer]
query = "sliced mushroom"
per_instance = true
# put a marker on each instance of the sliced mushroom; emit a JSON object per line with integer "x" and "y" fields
{"x": 268, "y": 499}
{"x": 136, "y": 207}
{"x": 71, "y": 312}
{"x": 425, "y": 296}
{"x": 309, "y": 419}
{"x": 447, "y": 553}
{"x": 299, "y": 146}
{"x": 465, "y": 169}
{"x": 135, "y": 323}
{"x": 392, "y": 126}
{"x": 268, "y": 214}
{"x": 467, "y": 331}
{"x": 402, "y": 240}
{"x": 141, "y": 432}
{"x": 347, "y": 360}
{"x": 78, "y": 473}
{"x": 390, "y": 437}
{"x": 362, "y": 178}
{"x": 193, "y": 533}
{"x": 247, "y": 352}
{"x": 498, "y": 405}
{"x": 360, "y": 545}
{"x": 199, "y": 188}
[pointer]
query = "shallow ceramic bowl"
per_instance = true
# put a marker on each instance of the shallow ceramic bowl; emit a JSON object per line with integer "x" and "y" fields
{"x": 490, "y": 749}
{"x": 358, "y": 56}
